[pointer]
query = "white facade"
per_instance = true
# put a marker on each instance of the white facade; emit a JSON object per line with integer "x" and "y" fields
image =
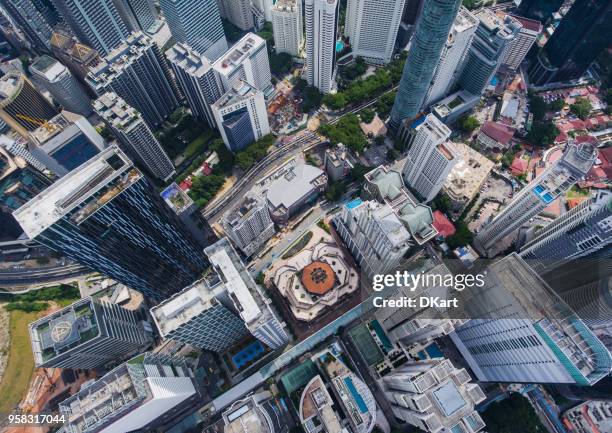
{"x": 265, "y": 6}
{"x": 197, "y": 79}
{"x": 430, "y": 158}
{"x": 249, "y": 226}
{"x": 519, "y": 47}
{"x": 371, "y": 26}
{"x": 287, "y": 25}
{"x": 452, "y": 55}
{"x": 248, "y": 103}
{"x": 246, "y": 60}
{"x": 321, "y": 18}
{"x": 238, "y": 12}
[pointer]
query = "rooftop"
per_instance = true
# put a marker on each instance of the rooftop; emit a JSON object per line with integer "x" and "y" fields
{"x": 245, "y": 208}
{"x": 246, "y": 416}
{"x": 47, "y": 67}
{"x": 442, "y": 224}
{"x": 285, "y": 5}
{"x": 296, "y": 183}
{"x": 114, "y": 110}
{"x": 239, "y": 92}
{"x": 188, "y": 59}
{"x": 318, "y": 278}
{"x": 234, "y": 57}
{"x": 176, "y": 198}
{"x": 468, "y": 174}
{"x": 498, "y": 132}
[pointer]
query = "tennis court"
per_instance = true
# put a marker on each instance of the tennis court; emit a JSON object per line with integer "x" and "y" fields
{"x": 366, "y": 345}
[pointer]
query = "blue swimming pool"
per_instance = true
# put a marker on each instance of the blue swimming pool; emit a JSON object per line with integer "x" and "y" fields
{"x": 381, "y": 334}
{"x": 544, "y": 195}
{"x": 339, "y": 45}
{"x": 248, "y": 354}
{"x": 363, "y": 407}
{"x": 434, "y": 351}
{"x": 353, "y": 203}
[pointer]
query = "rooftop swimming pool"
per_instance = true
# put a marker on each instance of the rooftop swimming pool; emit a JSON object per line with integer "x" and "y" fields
{"x": 363, "y": 408}
{"x": 339, "y": 45}
{"x": 248, "y": 354}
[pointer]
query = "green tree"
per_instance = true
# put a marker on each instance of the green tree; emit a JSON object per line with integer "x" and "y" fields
{"x": 556, "y": 105}
{"x": 581, "y": 107}
{"x": 462, "y": 237}
{"x": 244, "y": 160}
{"x": 501, "y": 416}
{"x": 346, "y": 131}
{"x": 385, "y": 103}
{"x": 367, "y": 115}
{"x": 336, "y": 101}
{"x": 537, "y": 107}
{"x": 358, "y": 172}
{"x": 542, "y": 134}
{"x": 469, "y": 123}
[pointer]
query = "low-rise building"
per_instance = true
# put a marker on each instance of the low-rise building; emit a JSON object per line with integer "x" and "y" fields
{"x": 252, "y": 414}
{"x": 451, "y": 108}
{"x": 337, "y": 164}
{"x": 495, "y": 136}
{"x": 593, "y": 415}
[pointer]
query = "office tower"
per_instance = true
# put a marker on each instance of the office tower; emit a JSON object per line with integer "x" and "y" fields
{"x": 139, "y": 395}
{"x": 77, "y": 57}
{"x": 430, "y": 158}
{"x": 540, "y": 10}
{"x": 62, "y": 85}
{"x": 265, "y": 6}
{"x": 453, "y": 53}
{"x": 287, "y": 25}
{"x": 46, "y": 9}
{"x": 428, "y": 41}
{"x": 247, "y": 60}
{"x": 581, "y": 36}
{"x": 434, "y": 396}
{"x": 196, "y": 23}
{"x": 579, "y": 233}
{"x": 138, "y": 15}
{"x": 249, "y": 225}
{"x": 217, "y": 312}
{"x": 238, "y": 12}
{"x": 64, "y": 143}
{"x": 134, "y": 135}
{"x": 521, "y": 332}
{"x": 575, "y": 163}
{"x": 30, "y": 21}
{"x": 372, "y": 26}
{"x": 88, "y": 334}
{"x": 22, "y": 107}
{"x": 241, "y": 116}
{"x": 412, "y": 10}
{"x": 96, "y": 23}
{"x": 19, "y": 147}
{"x": 487, "y": 51}
{"x": 519, "y": 47}
{"x": 321, "y": 18}
{"x": 137, "y": 72}
{"x": 106, "y": 215}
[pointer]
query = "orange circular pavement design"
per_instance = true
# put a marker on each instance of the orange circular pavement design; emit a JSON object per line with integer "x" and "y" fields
{"x": 318, "y": 278}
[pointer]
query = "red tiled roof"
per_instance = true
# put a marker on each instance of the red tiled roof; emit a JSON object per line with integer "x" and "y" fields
{"x": 529, "y": 24}
{"x": 586, "y": 139}
{"x": 444, "y": 226}
{"x": 498, "y": 132}
{"x": 561, "y": 138}
{"x": 519, "y": 166}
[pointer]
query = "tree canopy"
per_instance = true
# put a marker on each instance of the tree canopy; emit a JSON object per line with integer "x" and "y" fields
{"x": 581, "y": 107}
{"x": 346, "y": 131}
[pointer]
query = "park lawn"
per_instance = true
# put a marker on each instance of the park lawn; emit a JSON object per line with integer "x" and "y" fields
{"x": 197, "y": 145}
{"x": 20, "y": 365}
{"x": 576, "y": 192}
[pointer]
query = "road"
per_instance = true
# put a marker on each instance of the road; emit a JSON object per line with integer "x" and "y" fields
{"x": 28, "y": 276}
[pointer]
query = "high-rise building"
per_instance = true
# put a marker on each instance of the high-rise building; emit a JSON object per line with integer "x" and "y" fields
{"x": 247, "y": 60}
{"x": 134, "y": 135}
{"x": 196, "y": 23}
{"x": 521, "y": 332}
{"x": 238, "y": 12}
{"x": 581, "y": 232}
{"x": 88, "y": 334}
{"x": 96, "y": 23}
{"x": 430, "y": 158}
{"x": 197, "y": 79}
{"x": 540, "y": 10}
{"x": 255, "y": 413}
{"x": 372, "y": 26}
{"x": 265, "y": 6}
{"x": 138, "y": 15}
{"x": 139, "y": 395}
{"x": 575, "y": 163}
{"x": 62, "y": 85}
{"x": 288, "y": 28}
{"x": 434, "y": 396}
{"x": 428, "y": 41}
{"x": 489, "y": 45}
{"x": 22, "y": 107}
{"x": 581, "y": 36}
{"x": 519, "y": 47}
{"x": 30, "y": 21}
{"x": 137, "y": 72}
{"x": 249, "y": 225}
{"x": 77, "y": 57}
{"x": 106, "y": 215}
{"x": 452, "y": 56}
{"x": 18, "y": 146}
{"x": 64, "y": 143}
{"x": 222, "y": 309}
{"x": 241, "y": 116}
{"x": 321, "y": 17}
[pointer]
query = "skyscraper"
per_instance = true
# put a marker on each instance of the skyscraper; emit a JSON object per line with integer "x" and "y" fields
{"x": 134, "y": 135}
{"x": 88, "y": 334}
{"x": 241, "y": 116}
{"x": 265, "y": 6}
{"x": 138, "y": 14}
{"x": 62, "y": 85}
{"x": 583, "y": 33}
{"x": 519, "y": 47}
{"x": 372, "y": 26}
{"x": 540, "y": 10}
{"x": 287, "y": 24}
{"x": 106, "y": 215}
{"x": 430, "y": 158}
{"x": 321, "y": 18}
{"x": 196, "y": 23}
{"x": 575, "y": 163}
{"x": 22, "y": 107}
{"x": 521, "y": 332}
{"x": 238, "y": 12}
{"x": 197, "y": 79}
{"x": 137, "y": 72}
{"x": 487, "y": 51}
{"x": 79, "y": 58}
{"x": 452, "y": 56}
{"x": 30, "y": 21}
{"x": 428, "y": 41}
{"x": 96, "y": 23}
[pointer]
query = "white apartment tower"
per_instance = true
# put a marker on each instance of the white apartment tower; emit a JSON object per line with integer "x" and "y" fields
{"x": 197, "y": 79}
{"x": 321, "y": 26}
{"x": 134, "y": 135}
{"x": 371, "y": 26}
{"x": 452, "y": 56}
{"x": 519, "y": 47}
{"x": 287, "y": 24}
{"x": 238, "y": 12}
{"x": 575, "y": 163}
{"x": 241, "y": 116}
{"x": 265, "y": 7}
{"x": 430, "y": 158}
